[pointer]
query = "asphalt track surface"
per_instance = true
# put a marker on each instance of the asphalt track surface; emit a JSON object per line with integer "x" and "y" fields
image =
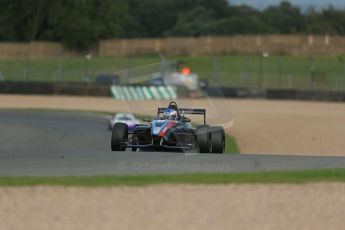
{"x": 37, "y": 143}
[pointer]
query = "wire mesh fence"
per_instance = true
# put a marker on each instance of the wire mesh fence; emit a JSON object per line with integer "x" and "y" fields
{"x": 248, "y": 71}
{"x": 281, "y": 72}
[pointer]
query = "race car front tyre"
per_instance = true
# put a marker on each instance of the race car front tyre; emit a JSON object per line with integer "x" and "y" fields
{"x": 119, "y": 135}
{"x": 217, "y": 139}
{"x": 203, "y": 139}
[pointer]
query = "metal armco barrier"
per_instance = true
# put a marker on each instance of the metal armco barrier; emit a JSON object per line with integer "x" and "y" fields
{"x": 144, "y": 92}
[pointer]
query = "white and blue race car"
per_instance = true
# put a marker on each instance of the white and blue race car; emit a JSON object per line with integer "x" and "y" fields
{"x": 126, "y": 118}
{"x": 170, "y": 130}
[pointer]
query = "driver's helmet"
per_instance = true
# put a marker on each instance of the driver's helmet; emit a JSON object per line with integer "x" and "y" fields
{"x": 170, "y": 114}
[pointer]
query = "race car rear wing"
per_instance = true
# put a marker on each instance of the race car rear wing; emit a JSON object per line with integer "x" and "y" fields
{"x": 186, "y": 111}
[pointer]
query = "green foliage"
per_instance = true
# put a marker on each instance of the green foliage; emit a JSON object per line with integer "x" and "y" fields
{"x": 236, "y": 25}
{"x": 151, "y": 16}
{"x": 22, "y": 20}
{"x": 336, "y": 18}
{"x": 79, "y": 24}
{"x": 284, "y": 18}
{"x": 191, "y": 23}
{"x": 316, "y": 24}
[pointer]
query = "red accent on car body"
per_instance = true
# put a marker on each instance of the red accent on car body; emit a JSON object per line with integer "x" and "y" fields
{"x": 166, "y": 128}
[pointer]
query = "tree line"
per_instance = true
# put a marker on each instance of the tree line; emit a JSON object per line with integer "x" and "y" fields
{"x": 79, "y": 24}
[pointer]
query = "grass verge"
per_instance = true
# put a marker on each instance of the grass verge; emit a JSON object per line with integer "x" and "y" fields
{"x": 326, "y": 175}
{"x": 231, "y": 144}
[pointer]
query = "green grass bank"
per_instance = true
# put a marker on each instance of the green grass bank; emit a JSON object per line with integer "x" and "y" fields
{"x": 295, "y": 177}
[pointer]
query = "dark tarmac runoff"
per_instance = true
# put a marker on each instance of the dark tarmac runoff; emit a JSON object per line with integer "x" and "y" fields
{"x": 42, "y": 143}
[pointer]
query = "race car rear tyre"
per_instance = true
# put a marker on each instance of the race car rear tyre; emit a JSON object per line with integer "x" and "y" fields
{"x": 217, "y": 139}
{"x": 119, "y": 135}
{"x": 204, "y": 139}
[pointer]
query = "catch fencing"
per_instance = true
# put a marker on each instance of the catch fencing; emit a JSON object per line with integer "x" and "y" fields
{"x": 261, "y": 71}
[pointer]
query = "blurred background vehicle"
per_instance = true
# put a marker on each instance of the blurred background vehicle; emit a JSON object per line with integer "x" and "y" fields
{"x": 126, "y": 118}
{"x": 178, "y": 78}
{"x": 107, "y": 79}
